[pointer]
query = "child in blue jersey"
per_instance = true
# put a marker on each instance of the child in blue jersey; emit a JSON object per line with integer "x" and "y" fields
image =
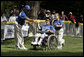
{"x": 20, "y": 21}
{"x": 58, "y": 24}
{"x": 45, "y": 31}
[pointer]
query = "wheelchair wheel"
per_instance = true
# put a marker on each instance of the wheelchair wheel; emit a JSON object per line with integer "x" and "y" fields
{"x": 51, "y": 42}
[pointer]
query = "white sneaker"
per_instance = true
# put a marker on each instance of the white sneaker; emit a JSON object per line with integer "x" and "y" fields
{"x": 21, "y": 48}
{"x": 45, "y": 35}
{"x": 59, "y": 47}
{"x": 39, "y": 43}
{"x": 24, "y": 48}
{"x": 63, "y": 43}
{"x": 34, "y": 43}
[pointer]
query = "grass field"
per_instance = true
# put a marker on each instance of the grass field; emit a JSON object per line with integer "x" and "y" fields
{"x": 73, "y": 47}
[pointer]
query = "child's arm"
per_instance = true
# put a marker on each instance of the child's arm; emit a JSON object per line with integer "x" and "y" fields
{"x": 38, "y": 21}
{"x": 58, "y": 25}
{"x": 50, "y": 31}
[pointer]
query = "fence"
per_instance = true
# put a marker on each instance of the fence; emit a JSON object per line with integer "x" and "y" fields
{"x": 69, "y": 29}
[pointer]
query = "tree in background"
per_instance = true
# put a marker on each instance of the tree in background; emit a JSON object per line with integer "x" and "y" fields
{"x": 35, "y": 6}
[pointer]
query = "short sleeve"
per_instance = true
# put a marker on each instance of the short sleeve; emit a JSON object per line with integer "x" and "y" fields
{"x": 22, "y": 15}
{"x": 61, "y": 23}
{"x": 52, "y": 28}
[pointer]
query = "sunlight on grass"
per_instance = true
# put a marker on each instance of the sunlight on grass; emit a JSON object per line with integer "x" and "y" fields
{"x": 73, "y": 47}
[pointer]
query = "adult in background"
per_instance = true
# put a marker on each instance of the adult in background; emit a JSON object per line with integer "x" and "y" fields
{"x": 42, "y": 14}
{"x": 6, "y": 13}
{"x": 63, "y": 16}
{"x": 53, "y": 14}
{"x": 14, "y": 14}
{"x": 3, "y": 19}
{"x": 77, "y": 14}
{"x": 48, "y": 15}
{"x": 72, "y": 18}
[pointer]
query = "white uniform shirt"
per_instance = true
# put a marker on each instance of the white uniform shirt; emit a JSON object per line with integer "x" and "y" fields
{"x": 12, "y": 18}
{"x": 3, "y": 19}
{"x": 53, "y": 16}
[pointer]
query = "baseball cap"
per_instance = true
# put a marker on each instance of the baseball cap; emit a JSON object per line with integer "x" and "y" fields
{"x": 27, "y": 7}
{"x": 48, "y": 11}
{"x": 70, "y": 12}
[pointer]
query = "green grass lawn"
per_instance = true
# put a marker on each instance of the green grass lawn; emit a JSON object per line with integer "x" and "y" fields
{"x": 73, "y": 47}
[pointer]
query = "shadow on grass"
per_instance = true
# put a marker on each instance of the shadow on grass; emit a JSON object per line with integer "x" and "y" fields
{"x": 40, "y": 53}
{"x": 37, "y": 49}
{"x": 11, "y": 47}
{"x": 12, "y": 41}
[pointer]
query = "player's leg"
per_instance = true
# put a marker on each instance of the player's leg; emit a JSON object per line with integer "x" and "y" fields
{"x": 60, "y": 40}
{"x": 16, "y": 35}
{"x": 21, "y": 39}
{"x": 36, "y": 38}
{"x": 42, "y": 37}
{"x": 61, "y": 36}
{"x": 57, "y": 39}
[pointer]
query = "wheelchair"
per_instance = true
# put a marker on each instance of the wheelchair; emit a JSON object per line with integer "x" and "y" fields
{"x": 48, "y": 43}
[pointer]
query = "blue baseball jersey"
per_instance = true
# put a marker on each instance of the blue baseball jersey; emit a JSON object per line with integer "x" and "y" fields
{"x": 47, "y": 27}
{"x": 21, "y": 18}
{"x": 58, "y": 22}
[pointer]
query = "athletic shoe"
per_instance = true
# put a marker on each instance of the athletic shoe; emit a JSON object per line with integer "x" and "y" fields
{"x": 34, "y": 43}
{"x": 39, "y": 43}
{"x": 45, "y": 35}
{"x": 63, "y": 44}
{"x": 59, "y": 47}
{"x": 24, "y": 48}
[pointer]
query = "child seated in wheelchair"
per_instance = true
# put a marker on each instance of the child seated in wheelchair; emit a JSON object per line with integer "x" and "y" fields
{"x": 46, "y": 30}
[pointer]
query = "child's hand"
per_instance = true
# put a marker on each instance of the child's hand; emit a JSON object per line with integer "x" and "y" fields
{"x": 38, "y": 21}
{"x": 57, "y": 25}
{"x": 48, "y": 30}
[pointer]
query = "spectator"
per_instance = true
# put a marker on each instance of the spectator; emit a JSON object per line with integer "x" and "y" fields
{"x": 77, "y": 22}
{"x": 81, "y": 18}
{"x": 14, "y": 14}
{"x": 48, "y": 15}
{"x": 6, "y": 13}
{"x": 63, "y": 16}
{"x": 53, "y": 14}
{"x": 41, "y": 14}
{"x": 72, "y": 17}
{"x": 3, "y": 18}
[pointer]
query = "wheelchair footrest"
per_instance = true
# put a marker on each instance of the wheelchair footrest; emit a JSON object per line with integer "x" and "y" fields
{"x": 35, "y": 45}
